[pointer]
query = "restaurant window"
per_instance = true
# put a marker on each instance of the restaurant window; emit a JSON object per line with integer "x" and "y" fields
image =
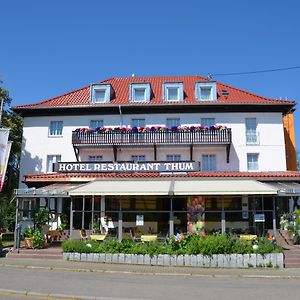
{"x": 137, "y": 158}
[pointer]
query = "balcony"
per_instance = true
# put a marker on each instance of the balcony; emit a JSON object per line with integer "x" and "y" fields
{"x": 149, "y": 138}
{"x": 144, "y": 138}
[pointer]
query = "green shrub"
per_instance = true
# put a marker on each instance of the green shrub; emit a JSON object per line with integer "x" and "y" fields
{"x": 192, "y": 244}
{"x": 38, "y": 240}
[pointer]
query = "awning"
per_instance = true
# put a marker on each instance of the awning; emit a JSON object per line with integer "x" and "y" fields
{"x": 173, "y": 187}
{"x": 124, "y": 187}
{"x": 52, "y": 190}
{"x": 286, "y": 188}
{"x": 222, "y": 187}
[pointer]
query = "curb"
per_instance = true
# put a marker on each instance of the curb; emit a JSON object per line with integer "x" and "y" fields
{"x": 55, "y": 296}
{"x": 102, "y": 271}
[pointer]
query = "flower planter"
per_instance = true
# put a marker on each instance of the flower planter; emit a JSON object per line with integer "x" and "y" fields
{"x": 28, "y": 243}
{"x": 272, "y": 260}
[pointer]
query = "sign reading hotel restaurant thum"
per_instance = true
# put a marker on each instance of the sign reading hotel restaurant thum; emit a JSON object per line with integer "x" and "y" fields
{"x": 126, "y": 167}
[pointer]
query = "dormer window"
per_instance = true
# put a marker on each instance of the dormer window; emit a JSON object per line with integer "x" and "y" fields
{"x": 140, "y": 92}
{"x": 173, "y": 91}
{"x": 206, "y": 91}
{"x": 100, "y": 93}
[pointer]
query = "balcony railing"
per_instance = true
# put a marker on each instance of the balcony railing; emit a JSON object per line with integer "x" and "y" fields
{"x": 206, "y": 137}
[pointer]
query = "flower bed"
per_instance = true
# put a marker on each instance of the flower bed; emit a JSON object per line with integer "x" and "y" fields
{"x": 194, "y": 250}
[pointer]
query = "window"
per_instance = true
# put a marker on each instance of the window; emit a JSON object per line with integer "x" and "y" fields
{"x": 51, "y": 159}
{"x": 173, "y": 157}
{"x": 252, "y": 161}
{"x": 138, "y": 123}
{"x": 96, "y": 123}
{"x": 27, "y": 209}
{"x": 173, "y": 91}
{"x": 208, "y": 122}
{"x": 209, "y": 163}
{"x": 251, "y": 132}
{"x": 56, "y": 128}
{"x": 95, "y": 157}
{"x": 100, "y": 93}
{"x": 170, "y": 122}
{"x": 140, "y": 92}
{"x": 137, "y": 158}
{"x": 206, "y": 91}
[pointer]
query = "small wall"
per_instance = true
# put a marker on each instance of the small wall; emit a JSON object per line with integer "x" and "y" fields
{"x": 272, "y": 260}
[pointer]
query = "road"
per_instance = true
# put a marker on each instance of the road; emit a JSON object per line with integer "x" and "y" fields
{"x": 117, "y": 285}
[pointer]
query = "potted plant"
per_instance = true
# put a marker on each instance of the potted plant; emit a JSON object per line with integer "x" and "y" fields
{"x": 28, "y": 234}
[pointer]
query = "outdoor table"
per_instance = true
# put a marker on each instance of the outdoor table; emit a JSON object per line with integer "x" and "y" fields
{"x": 97, "y": 237}
{"x": 149, "y": 238}
{"x": 249, "y": 237}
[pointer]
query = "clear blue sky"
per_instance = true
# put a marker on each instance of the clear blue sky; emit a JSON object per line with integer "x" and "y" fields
{"x": 52, "y": 47}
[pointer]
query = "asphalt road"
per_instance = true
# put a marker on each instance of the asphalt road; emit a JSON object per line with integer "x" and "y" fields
{"x": 117, "y": 285}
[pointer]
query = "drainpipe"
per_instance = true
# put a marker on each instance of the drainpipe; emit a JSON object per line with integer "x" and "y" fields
{"x": 121, "y": 116}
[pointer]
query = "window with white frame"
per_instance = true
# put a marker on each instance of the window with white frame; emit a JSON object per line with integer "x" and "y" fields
{"x": 171, "y": 122}
{"x": 138, "y": 122}
{"x": 56, "y": 128}
{"x": 208, "y": 122}
{"x": 140, "y": 92}
{"x": 51, "y": 159}
{"x": 206, "y": 91}
{"x": 96, "y": 123}
{"x": 173, "y": 91}
{"x": 100, "y": 93}
{"x": 209, "y": 163}
{"x": 173, "y": 157}
{"x": 95, "y": 157}
{"x": 251, "y": 131}
{"x": 137, "y": 158}
{"x": 28, "y": 206}
{"x": 252, "y": 161}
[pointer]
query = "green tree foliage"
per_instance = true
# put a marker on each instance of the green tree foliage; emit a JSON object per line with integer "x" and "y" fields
{"x": 14, "y": 123}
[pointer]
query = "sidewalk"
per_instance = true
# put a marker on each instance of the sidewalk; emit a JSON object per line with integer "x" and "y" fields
{"x": 69, "y": 266}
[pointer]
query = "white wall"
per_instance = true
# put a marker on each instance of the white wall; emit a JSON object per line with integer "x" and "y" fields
{"x": 37, "y": 144}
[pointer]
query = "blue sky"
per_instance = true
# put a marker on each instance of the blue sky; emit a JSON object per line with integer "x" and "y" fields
{"x": 52, "y": 47}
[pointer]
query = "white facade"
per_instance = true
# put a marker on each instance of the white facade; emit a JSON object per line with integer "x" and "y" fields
{"x": 270, "y": 146}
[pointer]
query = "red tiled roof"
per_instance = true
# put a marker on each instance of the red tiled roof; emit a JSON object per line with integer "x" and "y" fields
{"x": 86, "y": 177}
{"x": 81, "y": 97}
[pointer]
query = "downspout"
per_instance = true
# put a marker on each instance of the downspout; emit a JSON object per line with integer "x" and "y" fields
{"x": 121, "y": 116}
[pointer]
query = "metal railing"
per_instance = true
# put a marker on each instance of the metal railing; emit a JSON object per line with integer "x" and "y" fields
{"x": 209, "y": 136}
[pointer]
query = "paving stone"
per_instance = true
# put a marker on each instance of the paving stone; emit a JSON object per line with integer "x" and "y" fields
{"x": 166, "y": 259}
{"x": 279, "y": 260}
{"x": 173, "y": 260}
{"x": 160, "y": 260}
{"x": 66, "y": 256}
{"x": 220, "y": 260}
{"x": 180, "y": 260}
{"x": 187, "y": 260}
{"x": 134, "y": 259}
{"x": 194, "y": 260}
{"x": 128, "y": 258}
{"x": 101, "y": 257}
{"x": 115, "y": 258}
{"x": 90, "y": 256}
{"x": 240, "y": 261}
{"x": 200, "y": 260}
{"x": 213, "y": 261}
{"x": 121, "y": 258}
{"x": 206, "y": 261}
{"x": 260, "y": 260}
{"x": 233, "y": 263}
{"x": 140, "y": 259}
{"x": 153, "y": 260}
{"x": 246, "y": 261}
{"x": 77, "y": 256}
{"x": 108, "y": 257}
{"x": 147, "y": 259}
{"x": 226, "y": 261}
{"x": 252, "y": 260}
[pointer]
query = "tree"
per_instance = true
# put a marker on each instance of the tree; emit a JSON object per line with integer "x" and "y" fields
{"x": 14, "y": 122}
